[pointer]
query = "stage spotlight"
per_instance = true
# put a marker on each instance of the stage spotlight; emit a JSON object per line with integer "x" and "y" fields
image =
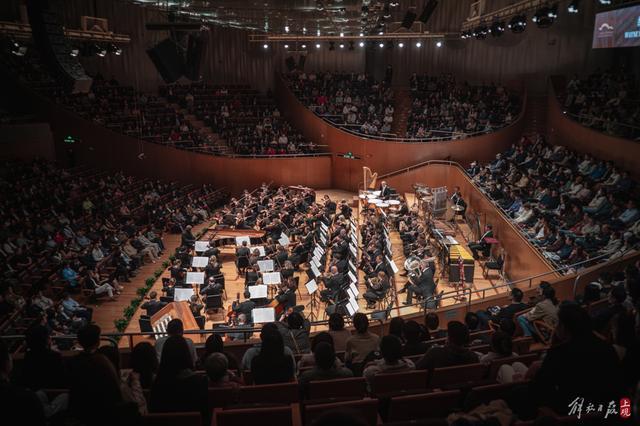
{"x": 74, "y": 52}
{"x": 480, "y": 33}
{"x": 361, "y": 44}
{"x": 438, "y": 43}
{"x": 100, "y": 50}
{"x": 286, "y": 28}
{"x": 381, "y": 32}
{"x": 351, "y": 45}
{"x": 16, "y": 48}
{"x": 318, "y": 46}
{"x": 418, "y": 44}
{"x": 304, "y": 46}
{"x": 286, "y": 46}
{"x": 381, "y": 45}
{"x": 605, "y": 2}
{"x": 112, "y": 48}
{"x": 401, "y": 45}
{"x": 341, "y": 34}
{"x": 545, "y": 16}
{"x": 497, "y": 28}
{"x": 518, "y": 24}
{"x": 361, "y": 34}
{"x": 318, "y": 33}
{"x": 574, "y": 6}
{"x": 304, "y": 30}
{"x": 341, "y": 46}
{"x": 265, "y": 46}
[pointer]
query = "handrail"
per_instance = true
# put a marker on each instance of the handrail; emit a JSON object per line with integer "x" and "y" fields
{"x": 577, "y": 118}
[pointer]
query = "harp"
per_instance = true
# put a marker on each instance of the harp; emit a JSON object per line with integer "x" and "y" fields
{"x": 369, "y": 178}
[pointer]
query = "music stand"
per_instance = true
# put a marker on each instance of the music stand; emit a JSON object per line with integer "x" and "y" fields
{"x": 312, "y": 289}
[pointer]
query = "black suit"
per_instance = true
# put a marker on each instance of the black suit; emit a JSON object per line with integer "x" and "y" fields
{"x": 424, "y": 286}
{"x": 481, "y": 245}
{"x": 332, "y": 285}
{"x": 187, "y": 239}
{"x": 153, "y": 306}
{"x": 288, "y": 299}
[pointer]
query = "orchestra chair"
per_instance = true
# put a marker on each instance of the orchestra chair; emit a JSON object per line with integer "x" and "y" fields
{"x": 423, "y": 405}
{"x": 273, "y": 394}
{"x": 145, "y": 324}
{"x": 213, "y": 301}
{"x": 352, "y": 388}
{"x": 286, "y": 415}
{"x": 171, "y": 419}
{"x": 386, "y": 384}
{"x": 494, "y": 264}
{"x": 365, "y": 409}
{"x": 458, "y": 375}
{"x": 487, "y": 393}
{"x": 219, "y": 279}
{"x": 526, "y": 359}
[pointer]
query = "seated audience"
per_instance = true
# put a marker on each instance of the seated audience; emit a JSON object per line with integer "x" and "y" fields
{"x": 453, "y": 352}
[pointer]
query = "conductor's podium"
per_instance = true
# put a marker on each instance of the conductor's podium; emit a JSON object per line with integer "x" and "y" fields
{"x": 173, "y": 310}
{"x": 457, "y": 252}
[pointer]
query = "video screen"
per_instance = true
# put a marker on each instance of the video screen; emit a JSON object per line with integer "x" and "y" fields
{"x": 617, "y": 28}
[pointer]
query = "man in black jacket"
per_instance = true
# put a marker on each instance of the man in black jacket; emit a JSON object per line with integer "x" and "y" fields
{"x": 482, "y": 245}
{"x": 153, "y": 305}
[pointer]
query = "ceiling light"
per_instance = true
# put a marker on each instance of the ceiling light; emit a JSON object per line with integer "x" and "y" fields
{"x": 401, "y": 44}
{"x": 438, "y": 43}
{"x": 361, "y": 44}
{"x": 545, "y": 16}
{"x": 381, "y": 45}
{"x": 112, "y": 48}
{"x": 304, "y": 30}
{"x": 574, "y": 6}
{"x": 481, "y": 32}
{"x": 286, "y": 28}
{"x": 286, "y": 46}
{"x": 318, "y": 46}
{"x": 265, "y": 46}
{"x": 74, "y": 52}
{"x": 304, "y": 46}
{"x": 341, "y": 34}
{"x": 341, "y": 46}
{"x": 381, "y": 32}
{"x": 497, "y": 28}
{"x": 361, "y": 34}
{"x": 100, "y": 50}
{"x": 518, "y": 24}
{"x": 418, "y": 44}
{"x": 318, "y": 33}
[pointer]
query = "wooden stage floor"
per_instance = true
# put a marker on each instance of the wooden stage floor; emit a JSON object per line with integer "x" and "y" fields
{"x": 235, "y": 284}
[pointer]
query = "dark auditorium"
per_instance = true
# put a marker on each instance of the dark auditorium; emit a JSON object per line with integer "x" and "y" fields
{"x": 319, "y": 212}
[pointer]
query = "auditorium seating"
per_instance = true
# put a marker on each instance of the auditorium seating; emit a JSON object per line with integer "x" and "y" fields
{"x": 443, "y": 108}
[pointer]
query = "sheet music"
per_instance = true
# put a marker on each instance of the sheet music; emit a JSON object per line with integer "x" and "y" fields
{"x": 351, "y": 293}
{"x": 315, "y": 270}
{"x": 316, "y": 260}
{"x": 195, "y": 278}
{"x": 323, "y": 226}
{"x": 451, "y": 240}
{"x": 323, "y": 239}
{"x": 239, "y": 240}
{"x": 352, "y": 266}
{"x": 311, "y": 286}
{"x": 354, "y": 289}
{"x": 271, "y": 278}
{"x": 265, "y": 265}
{"x": 354, "y": 305}
{"x": 263, "y": 315}
{"x": 258, "y": 291}
{"x": 354, "y": 238}
{"x": 260, "y": 250}
{"x": 182, "y": 294}
{"x": 284, "y": 240}
{"x": 353, "y": 251}
{"x": 199, "y": 261}
{"x": 202, "y": 246}
{"x": 350, "y": 309}
{"x": 352, "y": 277}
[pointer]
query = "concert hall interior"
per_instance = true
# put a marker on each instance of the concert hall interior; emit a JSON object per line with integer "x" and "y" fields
{"x": 319, "y": 212}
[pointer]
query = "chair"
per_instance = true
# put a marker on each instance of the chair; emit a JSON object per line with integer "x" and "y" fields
{"x": 457, "y": 375}
{"x": 145, "y": 324}
{"x": 171, "y": 419}
{"x": 495, "y": 365}
{"x": 221, "y": 397}
{"x": 494, "y": 264}
{"x": 280, "y": 393}
{"x": 353, "y": 387}
{"x": 398, "y": 383}
{"x": 201, "y": 321}
{"x": 281, "y": 416}
{"x": 424, "y": 405}
{"x": 487, "y": 393}
{"x": 544, "y": 331}
{"x": 521, "y": 345}
{"x": 365, "y": 409}
{"x": 213, "y": 301}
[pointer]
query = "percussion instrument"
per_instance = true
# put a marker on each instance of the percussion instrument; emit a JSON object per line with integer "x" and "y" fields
{"x": 457, "y": 208}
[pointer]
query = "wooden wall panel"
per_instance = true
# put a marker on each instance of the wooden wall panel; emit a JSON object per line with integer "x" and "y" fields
{"x": 523, "y": 260}
{"x": 565, "y": 131}
{"x": 26, "y": 141}
{"x": 382, "y": 156}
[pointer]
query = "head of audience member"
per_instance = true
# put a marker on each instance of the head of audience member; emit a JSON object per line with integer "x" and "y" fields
{"x": 395, "y": 327}
{"x": 472, "y": 321}
{"x": 550, "y": 294}
{"x": 360, "y": 323}
{"x": 391, "y": 349}
{"x": 175, "y": 327}
{"x": 295, "y": 321}
{"x": 501, "y": 343}
{"x": 144, "y": 361}
{"x": 516, "y": 295}
{"x": 176, "y": 357}
{"x": 336, "y": 322}
{"x": 508, "y": 326}
{"x": 89, "y": 337}
{"x": 112, "y": 354}
{"x": 322, "y": 337}
{"x": 412, "y": 332}
{"x": 618, "y": 295}
{"x": 272, "y": 344}
{"x": 214, "y": 344}
{"x": 574, "y": 323}
{"x": 217, "y": 367}
{"x": 457, "y": 334}
{"x": 432, "y": 321}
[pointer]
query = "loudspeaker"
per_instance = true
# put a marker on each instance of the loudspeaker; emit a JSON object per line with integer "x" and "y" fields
{"x": 409, "y": 18}
{"x": 195, "y": 51}
{"x": 48, "y": 36}
{"x": 428, "y": 10}
{"x": 291, "y": 63}
{"x": 301, "y": 61}
{"x": 168, "y": 59}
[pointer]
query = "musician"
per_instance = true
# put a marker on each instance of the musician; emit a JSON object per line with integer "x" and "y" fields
{"x": 245, "y": 308}
{"x": 377, "y": 289}
{"x": 345, "y": 210}
{"x": 458, "y": 201}
{"x": 251, "y": 276}
{"x": 423, "y": 284}
{"x": 212, "y": 288}
{"x": 168, "y": 288}
{"x": 333, "y": 282}
{"x": 482, "y": 244}
{"x": 211, "y": 250}
{"x": 287, "y": 294}
{"x": 195, "y": 306}
{"x": 340, "y": 262}
{"x": 153, "y": 305}
{"x": 287, "y": 270}
{"x": 243, "y": 250}
{"x": 380, "y": 266}
{"x": 330, "y": 206}
{"x": 213, "y": 268}
{"x": 281, "y": 255}
{"x": 385, "y": 190}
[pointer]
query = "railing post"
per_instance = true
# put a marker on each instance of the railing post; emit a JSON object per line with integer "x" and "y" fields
{"x": 130, "y": 342}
